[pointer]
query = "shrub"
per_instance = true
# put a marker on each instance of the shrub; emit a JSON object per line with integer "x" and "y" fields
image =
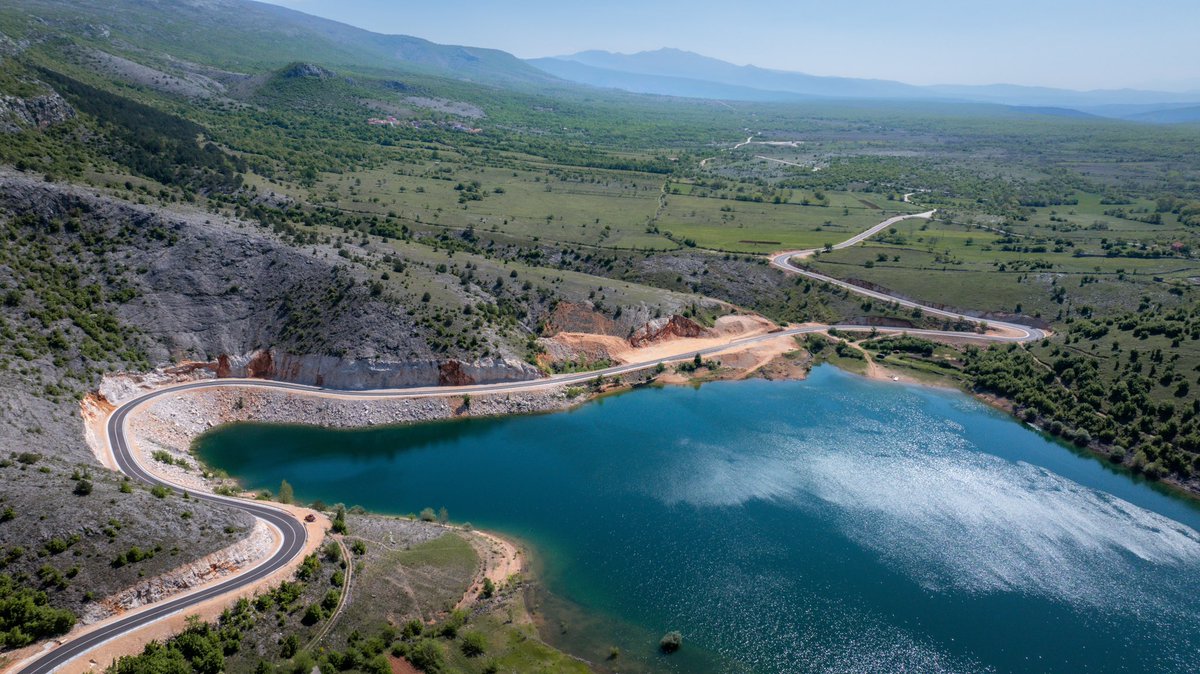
{"x": 427, "y": 656}
{"x": 309, "y": 568}
{"x": 333, "y": 551}
{"x": 330, "y": 600}
{"x": 453, "y": 624}
{"x": 83, "y": 487}
{"x": 289, "y": 646}
{"x": 473, "y": 644}
{"x": 313, "y": 615}
{"x": 286, "y": 494}
{"x": 26, "y": 617}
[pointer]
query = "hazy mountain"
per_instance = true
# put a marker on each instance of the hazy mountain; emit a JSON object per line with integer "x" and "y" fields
{"x": 658, "y": 84}
{"x": 1169, "y": 116}
{"x": 251, "y": 36}
{"x": 682, "y": 73}
{"x": 1015, "y": 94}
{"x": 675, "y": 63}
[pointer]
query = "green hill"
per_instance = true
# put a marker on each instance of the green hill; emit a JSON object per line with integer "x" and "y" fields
{"x": 252, "y": 37}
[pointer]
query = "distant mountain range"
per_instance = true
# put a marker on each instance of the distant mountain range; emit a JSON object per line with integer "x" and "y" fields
{"x": 246, "y": 36}
{"x": 674, "y": 72}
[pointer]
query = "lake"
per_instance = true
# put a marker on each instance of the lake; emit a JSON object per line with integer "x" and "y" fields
{"x": 834, "y": 524}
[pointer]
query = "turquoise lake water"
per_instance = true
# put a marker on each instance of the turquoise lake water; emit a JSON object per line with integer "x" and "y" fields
{"x": 829, "y": 525}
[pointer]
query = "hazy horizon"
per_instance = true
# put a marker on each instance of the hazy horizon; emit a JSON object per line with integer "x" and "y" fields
{"x": 1105, "y": 44}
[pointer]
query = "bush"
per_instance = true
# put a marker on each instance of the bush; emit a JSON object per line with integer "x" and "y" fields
{"x": 473, "y": 644}
{"x": 339, "y": 521}
{"x": 453, "y": 624}
{"x": 289, "y": 646}
{"x": 313, "y": 615}
{"x": 671, "y": 642}
{"x": 333, "y": 551}
{"x": 330, "y": 600}
{"x": 25, "y": 616}
{"x": 83, "y": 487}
{"x": 427, "y": 656}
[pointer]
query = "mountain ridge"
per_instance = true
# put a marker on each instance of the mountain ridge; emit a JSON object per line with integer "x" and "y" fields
{"x": 705, "y": 74}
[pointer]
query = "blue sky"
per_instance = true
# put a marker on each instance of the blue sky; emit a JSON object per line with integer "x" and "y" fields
{"x": 1076, "y": 44}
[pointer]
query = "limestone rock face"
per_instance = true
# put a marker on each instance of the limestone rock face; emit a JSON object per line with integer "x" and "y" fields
{"x": 309, "y": 70}
{"x": 36, "y": 111}
{"x": 358, "y": 374}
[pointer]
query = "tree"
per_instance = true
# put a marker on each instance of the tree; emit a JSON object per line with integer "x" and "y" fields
{"x": 286, "y": 495}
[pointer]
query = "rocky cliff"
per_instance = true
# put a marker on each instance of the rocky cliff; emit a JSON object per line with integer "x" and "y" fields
{"x": 208, "y": 289}
{"x": 37, "y": 111}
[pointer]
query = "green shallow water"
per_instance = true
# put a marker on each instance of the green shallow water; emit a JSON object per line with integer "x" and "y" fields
{"x": 829, "y": 525}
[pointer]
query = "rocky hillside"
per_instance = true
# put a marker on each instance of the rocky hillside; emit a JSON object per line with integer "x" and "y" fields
{"x": 91, "y": 284}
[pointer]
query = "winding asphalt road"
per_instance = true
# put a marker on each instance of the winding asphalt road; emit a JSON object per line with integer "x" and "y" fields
{"x": 292, "y": 533}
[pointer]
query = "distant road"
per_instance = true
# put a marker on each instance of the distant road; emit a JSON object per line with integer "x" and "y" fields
{"x": 1016, "y": 332}
{"x": 293, "y": 533}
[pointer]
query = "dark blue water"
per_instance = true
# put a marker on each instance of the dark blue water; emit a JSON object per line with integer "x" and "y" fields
{"x": 832, "y": 525}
